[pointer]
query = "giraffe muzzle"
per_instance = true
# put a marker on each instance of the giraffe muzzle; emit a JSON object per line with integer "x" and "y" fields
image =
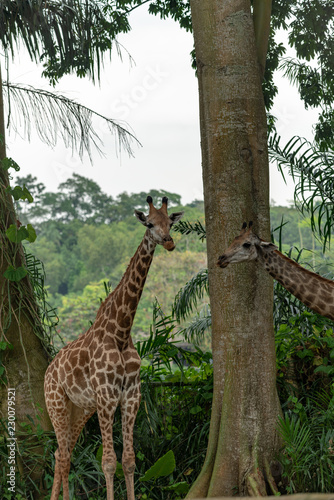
{"x": 222, "y": 261}
{"x": 168, "y": 244}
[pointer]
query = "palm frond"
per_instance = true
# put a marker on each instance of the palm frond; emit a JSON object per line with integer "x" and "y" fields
{"x": 187, "y": 298}
{"x": 296, "y": 435}
{"x": 186, "y": 227}
{"x": 55, "y": 115}
{"x": 68, "y": 36}
{"x": 198, "y": 326}
{"x": 292, "y": 68}
{"x": 313, "y": 174}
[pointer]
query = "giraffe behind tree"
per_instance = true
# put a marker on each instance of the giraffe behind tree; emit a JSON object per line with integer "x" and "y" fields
{"x": 313, "y": 290}
{"x": 100, "y": 369}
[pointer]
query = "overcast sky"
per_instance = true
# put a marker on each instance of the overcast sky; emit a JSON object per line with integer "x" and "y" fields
{"x": 158, "y": 98}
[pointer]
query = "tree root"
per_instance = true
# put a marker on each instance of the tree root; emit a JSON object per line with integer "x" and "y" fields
{"x": 269, "y": 468}
{"x": 258, "y": 483}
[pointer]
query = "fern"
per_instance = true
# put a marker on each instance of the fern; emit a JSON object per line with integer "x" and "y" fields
{"x": 198, "y": 326}
{"x": 46, "y": 314}
{"x": 187, "y": 298}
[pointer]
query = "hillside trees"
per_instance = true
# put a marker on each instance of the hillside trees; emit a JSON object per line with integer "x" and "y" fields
{"x": 79, "y": 253}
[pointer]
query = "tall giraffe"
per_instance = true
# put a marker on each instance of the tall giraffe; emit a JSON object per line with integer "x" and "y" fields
{"x": 100, "y": 369}
{"x": 313, "y": 290}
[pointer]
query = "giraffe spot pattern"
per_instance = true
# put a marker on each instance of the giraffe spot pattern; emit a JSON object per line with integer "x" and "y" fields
{"x": 314, "y": 291}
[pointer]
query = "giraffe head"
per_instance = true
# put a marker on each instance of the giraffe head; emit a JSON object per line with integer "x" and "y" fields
{"x": 245, "y": 247}
{"x": 158, "y": 223}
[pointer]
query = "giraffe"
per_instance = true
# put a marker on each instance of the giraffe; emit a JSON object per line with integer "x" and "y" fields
{"x": 313, "y": 290}
{"x": 100, "y": 369}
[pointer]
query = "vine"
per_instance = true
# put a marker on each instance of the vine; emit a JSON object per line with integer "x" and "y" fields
{"x": 22, "y": 289}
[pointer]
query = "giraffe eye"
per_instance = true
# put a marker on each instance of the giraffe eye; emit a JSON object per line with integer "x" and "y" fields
{"x": 247, "y": 245}
{"x": 149, "y": 225}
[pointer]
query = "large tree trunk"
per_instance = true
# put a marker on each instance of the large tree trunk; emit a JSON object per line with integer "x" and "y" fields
{"x": 25, "y": 363}
{"x": 243, "y": 434}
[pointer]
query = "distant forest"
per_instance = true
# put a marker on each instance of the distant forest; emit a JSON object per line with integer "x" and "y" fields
{"x": 85, "y": 239}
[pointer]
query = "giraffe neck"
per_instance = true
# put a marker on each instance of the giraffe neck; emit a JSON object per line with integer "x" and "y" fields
{"x": 313, "y": 290}
{"x": 117, "y": 312}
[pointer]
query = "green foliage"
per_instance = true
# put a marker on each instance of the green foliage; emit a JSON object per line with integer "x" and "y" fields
{"x": 7, "y": 163}
{"x": 65, "y": 37}
{"x": 15, "y": 274}
{"x": 314, "y": 80}
{"x": 312, "y": 171}
{"x": 186, "y": 227}
{"x": 179, "y": 10}
{"x": 305, "y": 361}
{"x": 47, "y": 316}
{"x": 18, "y": 234}
{"x": 164, "y": 466}
{"x": 19, "y": 296}
{"x": 186, "y": 300}
{"x": 20, "y": 193}
{"x": 274, "y": 54}
{"x": 32, "y": 445}
{"x": 77, "y": 312}
{"x": 308, "y": 454}
{"x": 310, "y": 33}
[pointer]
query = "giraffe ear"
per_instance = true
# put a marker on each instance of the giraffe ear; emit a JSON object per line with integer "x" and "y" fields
{"x": 268, "y": 245}
{"x": 176, "y": 216}
{"x": 141, "y": 217}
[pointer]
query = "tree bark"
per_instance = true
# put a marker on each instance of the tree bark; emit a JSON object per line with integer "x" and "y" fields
{"x": 25, "y": 363}
{"x": 243, "y": 437}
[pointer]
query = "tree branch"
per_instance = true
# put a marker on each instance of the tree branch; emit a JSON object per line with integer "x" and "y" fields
{"x": 261, "y": 19}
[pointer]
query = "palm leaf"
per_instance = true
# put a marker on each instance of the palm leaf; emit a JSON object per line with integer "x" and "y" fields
{"x": 187, "y": 298}
{"x": 198, "y": 326}
{"x": 55, "y": 115}
{"x": 68, "y": 36}
{"x": 297, "y": 438}
{"x": 186, "y": 227}
{"x": 294, "y": 69}
{"x": 313, "y": 174}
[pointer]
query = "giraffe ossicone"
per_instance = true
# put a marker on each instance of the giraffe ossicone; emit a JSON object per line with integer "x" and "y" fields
{"x": 313, "y": 290}
{"x": 100, "y": 370}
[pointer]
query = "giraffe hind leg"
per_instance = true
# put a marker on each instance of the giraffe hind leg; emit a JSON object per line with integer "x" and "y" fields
{"x": 106, "y": 412}
{"x": 57, "y": 479}
{"x": 63, "y": 461}
{"x": 77, "y": 419}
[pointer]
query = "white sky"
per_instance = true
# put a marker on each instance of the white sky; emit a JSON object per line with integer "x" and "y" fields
{"x": 158, "y": 98}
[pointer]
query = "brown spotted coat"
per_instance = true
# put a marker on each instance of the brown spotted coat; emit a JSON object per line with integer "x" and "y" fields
{"x": 100, "y": 369}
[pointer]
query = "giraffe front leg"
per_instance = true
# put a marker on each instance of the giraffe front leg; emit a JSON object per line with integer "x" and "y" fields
{"x": 109, "y": 462}
{"x": 129, "y": 409}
